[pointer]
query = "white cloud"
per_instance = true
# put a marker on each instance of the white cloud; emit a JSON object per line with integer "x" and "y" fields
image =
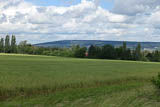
{"x": 135, "y": 20}
{"x": 132, "y": 7}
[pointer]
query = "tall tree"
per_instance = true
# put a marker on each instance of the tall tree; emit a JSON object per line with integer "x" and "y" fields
{"x": 2, "y": 45}
{"x": 138, "y": 49}
{"x": 91, "y": 51}
{"x": 79, "y": 52}
{"x": 156, "y": 56}
{"x": 7, "y": 44}
{"x": 94, "y": 51}
{"x": 13, "y": 44}
{"x": 124, "y": 51}
{"x": 22, "y": 47}
{"x": 108, "y": 52}
{"x": 137, "y": 53}
{"x": 124, "y": 46}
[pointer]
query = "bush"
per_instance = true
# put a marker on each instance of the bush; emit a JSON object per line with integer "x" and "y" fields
{"x": 156, "y": 81}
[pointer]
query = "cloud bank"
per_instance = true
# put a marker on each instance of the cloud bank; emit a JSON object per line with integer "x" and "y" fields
{"x": 132, "y": 20}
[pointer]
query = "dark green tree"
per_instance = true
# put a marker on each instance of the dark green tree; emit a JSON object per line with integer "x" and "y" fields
{"x": 119, "y": 52}
{"x": 2, "y": 45}
{"x": 124, "y": 47}
{"x": 150, "y": 56}
{"x": 22, "y": 47}
{"x": 137, "y": 55}
{"x": 126, "y": 53}
{"x": 156, "y": 56}
{"x": 79, "y": 52}
{"x": 7, "y": 44}
{"x": 94, "y": 51}
{"x": 108, "y": 52}
{"x": 13, "y": 44}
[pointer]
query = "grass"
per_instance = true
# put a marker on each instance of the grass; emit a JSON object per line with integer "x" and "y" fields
{"x": 40, "y": 81}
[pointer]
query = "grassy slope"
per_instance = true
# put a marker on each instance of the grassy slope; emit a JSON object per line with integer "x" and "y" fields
{"x": 47, "y": 81}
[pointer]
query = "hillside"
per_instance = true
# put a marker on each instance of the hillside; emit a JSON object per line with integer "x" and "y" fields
{"x": 87, "y": 43}
{"x": 40, "y": 81}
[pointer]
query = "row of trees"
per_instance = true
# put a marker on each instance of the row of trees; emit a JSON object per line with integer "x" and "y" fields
{"x": 110, "y": 52}
{"x": 8, "y": 45}
{"x": 123, "y": 53}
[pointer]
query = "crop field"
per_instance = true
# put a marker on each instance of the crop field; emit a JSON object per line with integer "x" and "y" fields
{"x": 45, "y": 81}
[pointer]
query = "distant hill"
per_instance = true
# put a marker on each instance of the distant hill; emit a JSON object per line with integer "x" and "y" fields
{"x": 87, "y": 43}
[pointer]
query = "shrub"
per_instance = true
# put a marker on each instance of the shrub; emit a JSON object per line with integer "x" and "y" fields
{"x": 156, "y": 81}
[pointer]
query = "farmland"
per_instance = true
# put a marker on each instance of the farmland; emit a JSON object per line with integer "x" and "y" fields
{"x": 40, "y": 81}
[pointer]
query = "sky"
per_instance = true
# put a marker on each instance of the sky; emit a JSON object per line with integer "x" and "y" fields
{"x": 40, "y": 21}
{"x": 106, "y": 4}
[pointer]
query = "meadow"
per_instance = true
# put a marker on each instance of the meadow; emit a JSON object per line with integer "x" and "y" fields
{"x": 47, "y": 81}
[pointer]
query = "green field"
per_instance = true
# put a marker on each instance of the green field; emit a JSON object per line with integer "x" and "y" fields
{"x": 43, "y": 81}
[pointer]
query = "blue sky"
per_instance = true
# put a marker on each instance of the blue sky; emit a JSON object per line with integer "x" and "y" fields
{"x": 107, "y": 4}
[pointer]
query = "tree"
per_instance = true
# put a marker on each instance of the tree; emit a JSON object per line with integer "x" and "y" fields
{"x": 7, "y": 44}
{"x": 124, "y": 47}
{"x": 2, "y": 45}
{"x": 13, "y": 44}
{"x": 108, "y": 52}
{"x": 128, "y": 54}
{"x": 137, "y": 53}
{"x": 94, "y": 51}
{"x": 156, "y": 56}
{"x": 22, "y": 47}
{"x": 150, "y": 56}
{"x": 80, "y": 52}
{"x": 119, "y": 52}
{"x": 124, "y": 51}
{"x": 138, "y": 49}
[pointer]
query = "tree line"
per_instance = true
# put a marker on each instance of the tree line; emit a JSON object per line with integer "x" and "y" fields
{"x": 120, "y": 53}
{"x": 9, "y": 45}
{"x": 123, "y": 53}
